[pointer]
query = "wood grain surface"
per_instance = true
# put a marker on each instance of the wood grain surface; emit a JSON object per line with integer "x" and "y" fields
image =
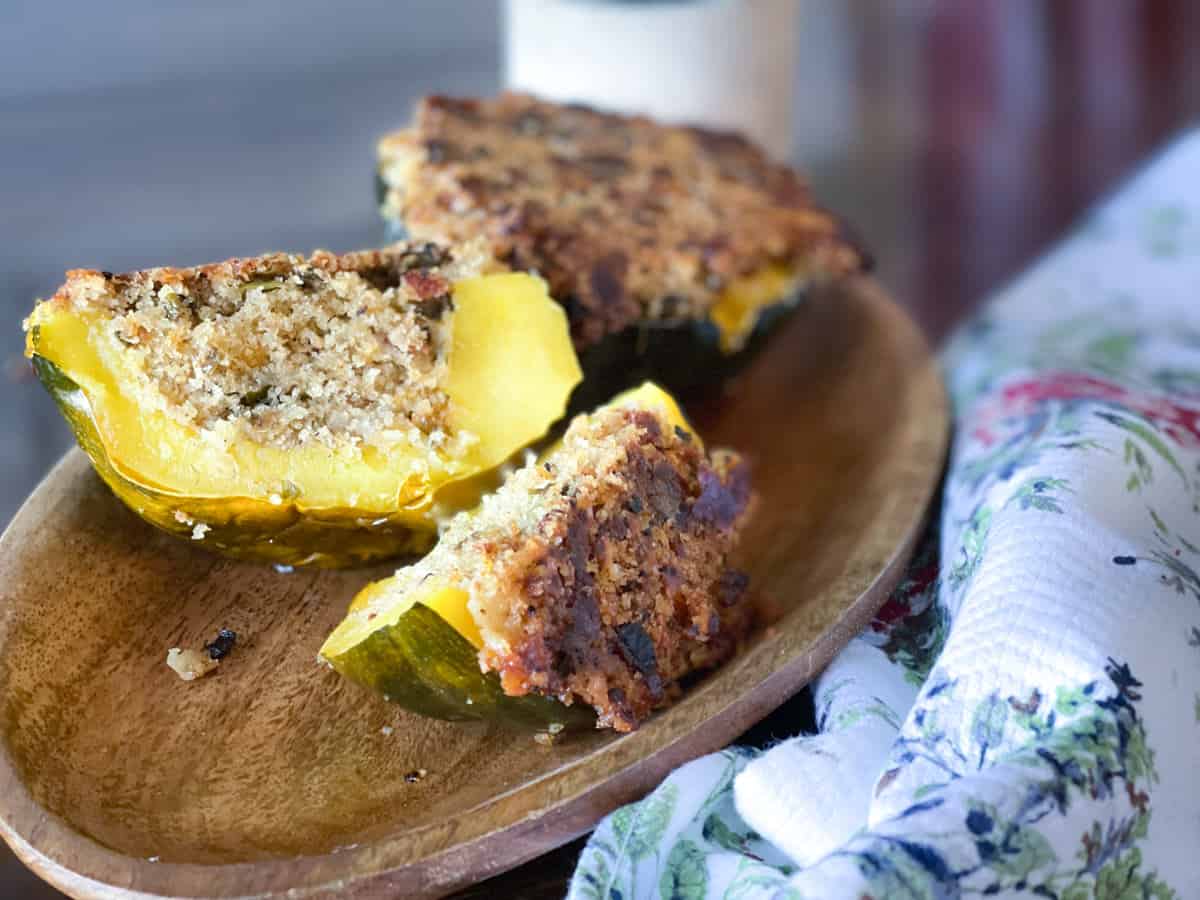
{"x": 274, "y": 774}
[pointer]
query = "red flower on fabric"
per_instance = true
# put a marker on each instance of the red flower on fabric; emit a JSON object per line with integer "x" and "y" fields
{"x": 1021, "y": 398}
{"x": 918, "y": 586}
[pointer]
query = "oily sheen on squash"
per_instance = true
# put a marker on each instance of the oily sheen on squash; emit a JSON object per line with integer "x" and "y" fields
{"x": 511, "y": 370}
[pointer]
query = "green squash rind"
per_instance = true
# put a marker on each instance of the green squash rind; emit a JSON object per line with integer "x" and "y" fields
{"x": 685, "y": 358}
{"x": 423, "y": 664}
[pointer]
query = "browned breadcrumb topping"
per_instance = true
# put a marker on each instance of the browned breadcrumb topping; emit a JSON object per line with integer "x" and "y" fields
{"x": 626, "y": 218}
{"x": 600, "y": 574}
{"x": 291, "y": 351}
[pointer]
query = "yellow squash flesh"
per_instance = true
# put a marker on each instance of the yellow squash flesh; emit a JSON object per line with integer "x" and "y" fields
{"x": 419, "y": 648}
{"x": 511, "y": 371}
{"x": 741, "y": 304}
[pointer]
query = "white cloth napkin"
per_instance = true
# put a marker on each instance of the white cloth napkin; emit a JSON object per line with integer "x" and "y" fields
{"x": 1023, "y": 719}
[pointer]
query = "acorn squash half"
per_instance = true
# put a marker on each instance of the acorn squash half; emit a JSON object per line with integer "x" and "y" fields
{"x": 419, "y": 648}
{"x": 511, "y": 369}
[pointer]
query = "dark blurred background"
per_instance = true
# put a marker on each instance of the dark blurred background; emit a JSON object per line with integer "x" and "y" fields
{"x": 960, "y": 137}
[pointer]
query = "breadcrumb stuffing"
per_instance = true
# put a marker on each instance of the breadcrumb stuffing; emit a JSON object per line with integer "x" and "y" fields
{"x": 290, "y": 351}
{"x": 600, "y": 573}
{"x": 626, "y": 218}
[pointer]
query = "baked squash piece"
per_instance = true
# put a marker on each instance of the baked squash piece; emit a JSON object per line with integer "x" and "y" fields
{"x": 304, "y": 411}
{"x": 675, "y": 250}
{"x": 596, "y": 577}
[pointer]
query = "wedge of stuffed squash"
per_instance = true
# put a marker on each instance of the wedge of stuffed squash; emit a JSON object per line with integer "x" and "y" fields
{"x": 676, "y": 250}
{"x": 304, "y": 411}
{"x": 595, "y": 578}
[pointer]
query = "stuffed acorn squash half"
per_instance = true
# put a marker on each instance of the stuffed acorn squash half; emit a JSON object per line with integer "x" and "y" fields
{"x": 676, "y": 251}
{"x": 304, "y": 411}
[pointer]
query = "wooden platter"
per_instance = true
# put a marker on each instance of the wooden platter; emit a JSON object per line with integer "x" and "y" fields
{"x": 273, "y": 777}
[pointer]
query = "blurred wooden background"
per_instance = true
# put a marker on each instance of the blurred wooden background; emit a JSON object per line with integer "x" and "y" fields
{"x": 960, "y": 137}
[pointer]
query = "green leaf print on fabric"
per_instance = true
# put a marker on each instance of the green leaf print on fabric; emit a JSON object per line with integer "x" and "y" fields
{"x": 755, "y": 881}
{"x": 651, "y": 820}
{"x": 1165, "y": 232}
{"x": 875, "y": 709}
{"x": 685, "y": 876}
{"x": 1179, "y": 575}
{"x": 903, "y": 870}
{"x": 974, "y": 538}
{"x": 1142, "y": 473}
{"x": 608, "y": 870}
{"x": 627, "y": 855}
{"x": 1171, "y": 380}
{"x": 1150, "y": 437}
{"x": 1069, "y": 700}
{"x": 854, "y": 711}
{"x": 1089, "y": 745}
{"x": 1009, "y": 851}
{"x": 1160, "y": 527}
{"x": 987, "y": 725}
{"x": 594, "y": 877}
{"x": 1111, "y": 352}
{"x": 1139, "y": 757}
{"x": 1122, "y": 879}
{"x": 1038, "y": 493}
{"x": 1054, "y": 426}
{"x": 716, "y": 832}
{"x": 735, "y": 760}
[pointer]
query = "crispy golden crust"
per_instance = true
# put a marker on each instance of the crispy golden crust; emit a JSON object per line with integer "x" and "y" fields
{"x": 627, "y": 219}
{"x": 405, "y": 266}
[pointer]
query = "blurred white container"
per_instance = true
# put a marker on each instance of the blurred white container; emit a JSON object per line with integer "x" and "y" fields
{"x": 722, "y": 63}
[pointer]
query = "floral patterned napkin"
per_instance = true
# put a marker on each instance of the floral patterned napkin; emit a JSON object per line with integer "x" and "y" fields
{"x": 1023, "y": 717}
